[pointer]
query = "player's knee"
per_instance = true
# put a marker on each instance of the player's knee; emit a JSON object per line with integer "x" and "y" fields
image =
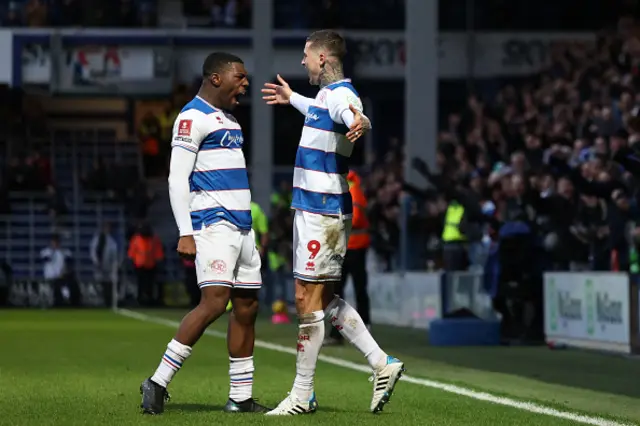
{"x": 309, "y": 296}
{"x": 302, "y": 296}
{"x": 214, "y": 299}
{"x": 245, "y": 310}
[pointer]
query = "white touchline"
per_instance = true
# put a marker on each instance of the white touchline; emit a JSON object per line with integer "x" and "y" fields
{"x": 458, "y": 390}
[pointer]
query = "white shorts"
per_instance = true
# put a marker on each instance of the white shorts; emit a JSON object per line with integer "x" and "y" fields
{"x": 227, "y": 256}
{"x": 319, "y": 246}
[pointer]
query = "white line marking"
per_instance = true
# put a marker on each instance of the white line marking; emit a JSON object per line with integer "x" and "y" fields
{"x": 482, "y": 396}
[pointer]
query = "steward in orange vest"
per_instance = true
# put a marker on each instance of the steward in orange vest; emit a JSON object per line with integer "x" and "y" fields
{"x": 359, "y": 238}
{"x": 145, "y": 252}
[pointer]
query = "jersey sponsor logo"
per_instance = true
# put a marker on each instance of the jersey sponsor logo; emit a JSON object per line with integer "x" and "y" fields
{"x": 231, "y": 140}
{"x": 219, "y": 119}
{"x": 311, "y": 117}
{"x": 184, "y": 127}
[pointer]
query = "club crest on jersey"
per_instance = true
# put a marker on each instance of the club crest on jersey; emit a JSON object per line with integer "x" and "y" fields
{"x": 184, "y": 127}
{"x": 218, "y": 266}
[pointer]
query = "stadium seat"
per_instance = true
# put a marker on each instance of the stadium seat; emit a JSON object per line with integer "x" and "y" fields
{"x": 29, "y": 228}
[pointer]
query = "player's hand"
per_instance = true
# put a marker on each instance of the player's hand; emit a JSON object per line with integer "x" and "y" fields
{"x": 360, "y": 126}
{"x": 277, "y": 94}
{"x": 187, "y": 247}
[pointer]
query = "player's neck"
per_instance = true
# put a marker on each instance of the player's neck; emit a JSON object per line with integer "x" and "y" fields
{"x": 209, "y": 98}
{"x": 331, "y": 73}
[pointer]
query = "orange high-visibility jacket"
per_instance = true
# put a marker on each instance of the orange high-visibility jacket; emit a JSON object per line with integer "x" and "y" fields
{"x": 359, "y": 238}
{"x": 145, "y": 252}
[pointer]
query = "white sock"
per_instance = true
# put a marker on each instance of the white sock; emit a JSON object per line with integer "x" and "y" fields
{"x": 241, "y": 378}
{"x": 310, "y": 337}
{"x": 171, "y": 362}
{"x": 349, "y": 323}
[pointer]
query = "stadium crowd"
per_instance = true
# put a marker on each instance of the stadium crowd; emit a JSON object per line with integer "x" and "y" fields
{"x": 78, "y": 13}
{"x": 553, "y": 155}
{"x": 544, "y": 165}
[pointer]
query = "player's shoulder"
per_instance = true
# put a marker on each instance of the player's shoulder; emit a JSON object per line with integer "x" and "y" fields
{"x": 198, "y": 111}
{"x": 342, "y": 87}
{"x": 343, "y": 92}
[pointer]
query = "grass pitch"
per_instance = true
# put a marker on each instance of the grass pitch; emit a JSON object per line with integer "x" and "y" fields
{"x": 84, "y": 368}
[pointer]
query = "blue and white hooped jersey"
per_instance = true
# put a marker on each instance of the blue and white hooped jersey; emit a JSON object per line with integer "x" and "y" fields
{"x": 219, "y": 182}
{"x": 320, "y": 175}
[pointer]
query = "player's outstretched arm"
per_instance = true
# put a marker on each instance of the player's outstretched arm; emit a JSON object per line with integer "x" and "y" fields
{"x": 358, "y": 123}
{"x": 346, "y": 108}
{"x": 281, "y": 94}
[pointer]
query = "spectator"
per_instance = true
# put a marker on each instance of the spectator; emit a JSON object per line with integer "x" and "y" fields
{"x": 58, "y": 273}
{"x": 37, "y": 13}
{"x": 150, "y": 134}
{"x": 146, "y": 253}
{"x": 14, "y": 16}
{"x": 106, "y": 260}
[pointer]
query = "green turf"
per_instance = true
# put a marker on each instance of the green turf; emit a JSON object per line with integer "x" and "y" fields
{"x": 85, "y": 367}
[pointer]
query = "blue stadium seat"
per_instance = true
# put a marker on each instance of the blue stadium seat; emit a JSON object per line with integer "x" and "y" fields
{"x": 28, "y": 230}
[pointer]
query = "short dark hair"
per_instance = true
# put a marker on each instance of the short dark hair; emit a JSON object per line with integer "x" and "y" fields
{"x": 330, "y": 40}
{"x": 217, "y": 62}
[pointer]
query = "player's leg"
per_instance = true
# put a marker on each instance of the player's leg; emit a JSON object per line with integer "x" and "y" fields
{"x": 386, "y": 369}
{"x": 241, "y": 330}
{"x": 311, "y": 329}
{"x": 311, "y": 259}
{"x": 335, "y": 337}
{"x": 217, "y": 252}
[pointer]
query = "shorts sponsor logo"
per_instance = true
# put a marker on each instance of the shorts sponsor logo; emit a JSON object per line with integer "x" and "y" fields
{"x": 184, "y": 127}
{"x": 218, "y": 266}
{"x": 310, "y": 266}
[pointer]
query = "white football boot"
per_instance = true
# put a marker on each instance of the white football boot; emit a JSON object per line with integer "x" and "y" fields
{"x": 290, "y": 406}
{"x": 384, "y": 381}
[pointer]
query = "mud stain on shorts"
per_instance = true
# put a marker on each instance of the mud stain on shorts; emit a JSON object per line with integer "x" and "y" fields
{"x": 332, "y": 234}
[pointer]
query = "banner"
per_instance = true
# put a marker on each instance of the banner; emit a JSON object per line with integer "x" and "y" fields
{"x": 412, "y": 300}
{"x": 126, "y": 55}
{"x": 589, "y": 310}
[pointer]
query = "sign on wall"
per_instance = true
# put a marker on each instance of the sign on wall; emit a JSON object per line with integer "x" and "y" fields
{"x": 377, "y": 55}
{"x": 589, "y": 310}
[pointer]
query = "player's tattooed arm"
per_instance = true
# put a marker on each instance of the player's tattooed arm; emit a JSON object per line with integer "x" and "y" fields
{"x": 360, "y": 125}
